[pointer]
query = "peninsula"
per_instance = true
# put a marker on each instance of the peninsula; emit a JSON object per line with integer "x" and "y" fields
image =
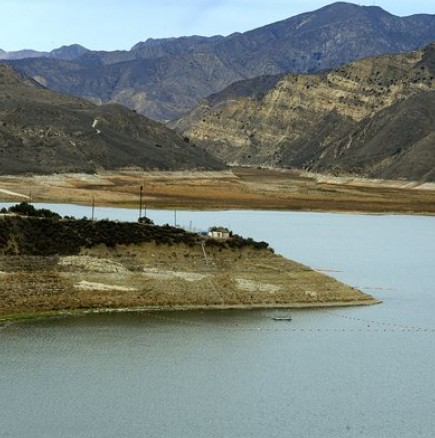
{"x": 50, "y": 264}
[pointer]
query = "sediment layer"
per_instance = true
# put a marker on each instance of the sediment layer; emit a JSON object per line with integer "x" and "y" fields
{"x": 189, "y": 272}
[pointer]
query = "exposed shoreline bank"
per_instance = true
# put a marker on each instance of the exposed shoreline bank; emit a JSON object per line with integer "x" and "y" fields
{"x": 238, "y": 188}
{"x": 52, "y": 264}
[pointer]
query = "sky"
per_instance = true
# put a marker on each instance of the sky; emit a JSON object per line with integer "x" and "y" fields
{"x": 117, "y": 25}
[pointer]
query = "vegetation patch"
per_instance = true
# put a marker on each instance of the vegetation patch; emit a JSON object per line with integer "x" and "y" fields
{"x": 41, "y": 232}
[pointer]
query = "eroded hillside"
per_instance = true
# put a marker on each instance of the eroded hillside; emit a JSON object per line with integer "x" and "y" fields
{"x": 50, "y": 264}
{"x": 338, "y": 121}
{"x": 45, "y": 132}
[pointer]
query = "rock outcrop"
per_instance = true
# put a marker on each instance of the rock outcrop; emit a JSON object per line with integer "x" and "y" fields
{"x": 372, "y": 118}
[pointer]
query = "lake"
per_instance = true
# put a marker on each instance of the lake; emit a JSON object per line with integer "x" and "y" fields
{"x": 344, "y": 372}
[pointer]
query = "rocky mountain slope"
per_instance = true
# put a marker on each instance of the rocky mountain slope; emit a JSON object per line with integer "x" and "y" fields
{"x": 165, "y": 78}
{"x": 48, "y": 264}
{"x": 71, "y": 52}
{"x": 45, "y": 132}
{"x": 371, "y": 118}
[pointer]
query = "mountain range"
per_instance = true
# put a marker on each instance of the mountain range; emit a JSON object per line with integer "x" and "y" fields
{"x": 165, "y": 78}
{"x": 305, "y": 93}
{"x": 71, "y": 52}
{"x": 45, "y": 132}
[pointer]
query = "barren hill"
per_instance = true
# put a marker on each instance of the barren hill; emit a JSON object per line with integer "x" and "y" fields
{"x": 42, "y": 131}
{"x": 370, "y": 118}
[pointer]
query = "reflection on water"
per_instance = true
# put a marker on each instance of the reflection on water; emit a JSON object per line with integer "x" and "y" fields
{"x": 365, "y": 372}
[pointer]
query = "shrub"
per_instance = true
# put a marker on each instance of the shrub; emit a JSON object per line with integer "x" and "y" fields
{"x": 146, "y": 220}
{"x": 26, "y": 209}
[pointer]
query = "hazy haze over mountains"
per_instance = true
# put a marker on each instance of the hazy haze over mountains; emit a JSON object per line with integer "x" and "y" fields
{"x": 71, "y": 52}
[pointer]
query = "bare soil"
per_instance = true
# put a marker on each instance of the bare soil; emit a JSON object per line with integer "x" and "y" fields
{"x": 240, "y": 188}
{"x": 151, "y": 275}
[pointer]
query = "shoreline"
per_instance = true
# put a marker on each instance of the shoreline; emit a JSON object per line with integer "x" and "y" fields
{"x": 237, "y": 188}
{"x": 7, "y": 320}
{"x": 82, "y": 266}
{"x": 268, "y": 189}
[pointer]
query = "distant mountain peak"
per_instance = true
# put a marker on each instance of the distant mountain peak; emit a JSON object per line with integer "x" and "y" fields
{"x": 70, "y": 52}
{"x": 71, "y": 47}
{"x": 349, "y": 5}
{"x": 164, "y": 78}
{"x": 22, "y": 54}
{"x": 181, "y": 42}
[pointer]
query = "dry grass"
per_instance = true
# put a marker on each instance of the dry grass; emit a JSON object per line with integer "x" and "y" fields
{"x": 239, "y": 188}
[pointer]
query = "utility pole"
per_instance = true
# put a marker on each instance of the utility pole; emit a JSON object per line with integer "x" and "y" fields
{"x": 140, "y": 201}
{"x": 93, "y": 208}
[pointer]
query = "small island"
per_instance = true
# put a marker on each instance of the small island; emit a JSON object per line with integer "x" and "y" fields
{"x": 53, "y": 264}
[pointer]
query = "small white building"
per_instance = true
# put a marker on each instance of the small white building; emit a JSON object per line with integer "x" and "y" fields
{"x": 219, "y": 233}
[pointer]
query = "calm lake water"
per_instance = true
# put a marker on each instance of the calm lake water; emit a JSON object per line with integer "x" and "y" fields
{"x": 349, "y": 372}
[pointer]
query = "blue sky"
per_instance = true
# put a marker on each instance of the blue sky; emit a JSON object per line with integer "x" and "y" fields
{"x": 113, "y": 24}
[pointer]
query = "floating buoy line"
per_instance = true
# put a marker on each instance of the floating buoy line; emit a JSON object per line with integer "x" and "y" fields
{"x": 390, "y": 325}
{"x": 370, "y": 325}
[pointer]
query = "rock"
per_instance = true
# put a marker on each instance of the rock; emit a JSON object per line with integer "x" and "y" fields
{"x": 373, "y": 118}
